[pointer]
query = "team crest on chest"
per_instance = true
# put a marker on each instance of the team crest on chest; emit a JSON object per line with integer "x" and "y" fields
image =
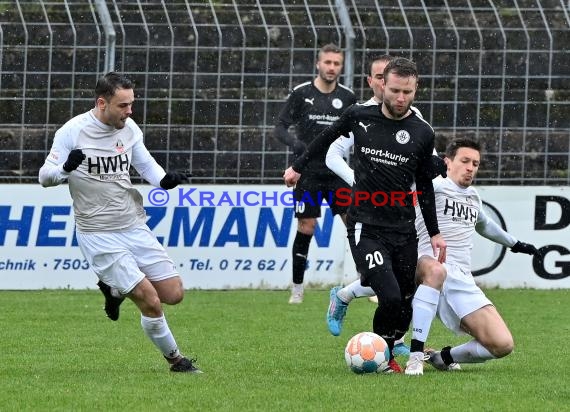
{"x": 119, "y": 146}
{"x": 402, "y": 137}
{"x": 337, "y": 103}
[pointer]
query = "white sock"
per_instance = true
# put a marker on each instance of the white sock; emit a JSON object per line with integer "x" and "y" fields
{"x": 424, "y": 308}
{"x": 159, "y": 333}
{"x": 354, "y": 290}
{"x": 297, "y": 289}
{"x": 470, "y": 352}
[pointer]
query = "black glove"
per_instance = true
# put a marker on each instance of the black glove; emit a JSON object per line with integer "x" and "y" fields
{"x": 73, "y": 161}
{"x": 173, "y": 179}
{"x": 527, "y": 248}
{"x": 298, "y": 147}
{"x": 437, "y": 167}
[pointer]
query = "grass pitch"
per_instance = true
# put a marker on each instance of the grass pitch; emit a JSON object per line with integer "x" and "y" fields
{"x": 60, "y": 353}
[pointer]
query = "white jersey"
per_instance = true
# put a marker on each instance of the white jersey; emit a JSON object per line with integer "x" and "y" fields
{"x": 459, "y": 214}
{"x": 104, "y": 199}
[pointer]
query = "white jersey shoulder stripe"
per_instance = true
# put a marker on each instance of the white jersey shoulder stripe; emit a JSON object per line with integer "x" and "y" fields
{"x": 370, "y": 102}
{"x": 419, "y": 116}
{"x": 417, "y": 111}
{"x": 302, "y": 85}
{"x": 346, "y": 88}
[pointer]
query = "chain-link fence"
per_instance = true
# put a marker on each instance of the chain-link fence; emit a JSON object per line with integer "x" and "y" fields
{"x": 212, "y": 75}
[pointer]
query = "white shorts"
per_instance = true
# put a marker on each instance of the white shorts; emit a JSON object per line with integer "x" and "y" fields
{"x": 123, "y": 259}
{"x": 459, "y": 297}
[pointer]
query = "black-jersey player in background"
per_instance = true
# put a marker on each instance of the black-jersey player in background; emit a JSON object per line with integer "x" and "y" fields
{"x": 392, "y": 149}
{"x": 311, "y": 107}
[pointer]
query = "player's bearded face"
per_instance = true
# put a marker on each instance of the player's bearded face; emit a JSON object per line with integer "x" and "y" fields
{"x": 115, "y": 111}
{"x": 329, "y": 66}
{"x": 399, "y": 93}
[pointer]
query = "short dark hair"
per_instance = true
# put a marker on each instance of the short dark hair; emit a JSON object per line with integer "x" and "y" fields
{"x": 402, "y": 67}
{"x": 108, "y": 84}
{"x": 329, "y": 48}
{"x": 460, "y": 142}
{"x": 378, "y": 58}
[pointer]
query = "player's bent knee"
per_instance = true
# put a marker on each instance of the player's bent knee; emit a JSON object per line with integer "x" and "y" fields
{"x": 506, "y": 349}
{"x": 436, "y": 277}
{"x": 430, "y": 273}
{"x": 502, "y": 347}
{"x": 174, "y": 298}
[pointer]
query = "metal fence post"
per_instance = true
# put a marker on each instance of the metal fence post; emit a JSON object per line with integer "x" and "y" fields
{"x": 110, "y": 35}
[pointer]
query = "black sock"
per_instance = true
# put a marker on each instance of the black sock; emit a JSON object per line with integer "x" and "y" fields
{"x": 300, "y": 250}
{"x": 390, "y": 341}
{"x": 446, "y": 355}
{"x": 416, "y": 346}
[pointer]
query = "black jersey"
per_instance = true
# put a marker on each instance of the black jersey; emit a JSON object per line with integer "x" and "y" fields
{"x": 312, "y": 111}
{"x": 389, "y": 156}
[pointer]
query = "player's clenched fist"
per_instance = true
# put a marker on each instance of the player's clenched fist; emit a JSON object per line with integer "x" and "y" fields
{"x": 173, "y": 179}
{"x": 291, "y": 177}
{"x": 73, "y": 161}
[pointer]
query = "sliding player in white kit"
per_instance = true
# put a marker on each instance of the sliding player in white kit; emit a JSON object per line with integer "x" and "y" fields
{"x": 94, "y": 152}
{"x": 461, "y": 306}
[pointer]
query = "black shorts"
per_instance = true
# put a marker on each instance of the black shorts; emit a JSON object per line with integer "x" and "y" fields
{"x": 310, "y": 193}
{"x": 386, "y": 253}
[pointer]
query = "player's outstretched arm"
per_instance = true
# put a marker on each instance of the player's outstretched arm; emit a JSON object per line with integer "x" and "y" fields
{"x": 489, "y": 229}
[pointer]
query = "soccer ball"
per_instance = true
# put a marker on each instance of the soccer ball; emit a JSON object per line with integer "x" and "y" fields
{"x": 367, "y": 353}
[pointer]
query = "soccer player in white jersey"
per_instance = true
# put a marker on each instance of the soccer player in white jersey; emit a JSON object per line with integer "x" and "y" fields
{"x": 462, "y": 306}
{"x": 94, "y": 152}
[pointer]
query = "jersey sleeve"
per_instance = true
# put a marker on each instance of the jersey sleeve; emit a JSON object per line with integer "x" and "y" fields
{"x": 426, "y": 195}
{"x": 52, "y": 173}
{"x": 146, "y": 165}
{"x": 489, "y": 229}
{"x": 336, "y": 154}
{"x": 288, "y": 116}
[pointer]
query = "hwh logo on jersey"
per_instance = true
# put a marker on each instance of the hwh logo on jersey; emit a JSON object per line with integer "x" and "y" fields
{"x": 119, "y": 163}
{"x": 460, "y": 211}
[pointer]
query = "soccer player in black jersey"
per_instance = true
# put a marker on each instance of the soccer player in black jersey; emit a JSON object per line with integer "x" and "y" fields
{"x": 393, "y": 148}
{"x": 311, "y": 107}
